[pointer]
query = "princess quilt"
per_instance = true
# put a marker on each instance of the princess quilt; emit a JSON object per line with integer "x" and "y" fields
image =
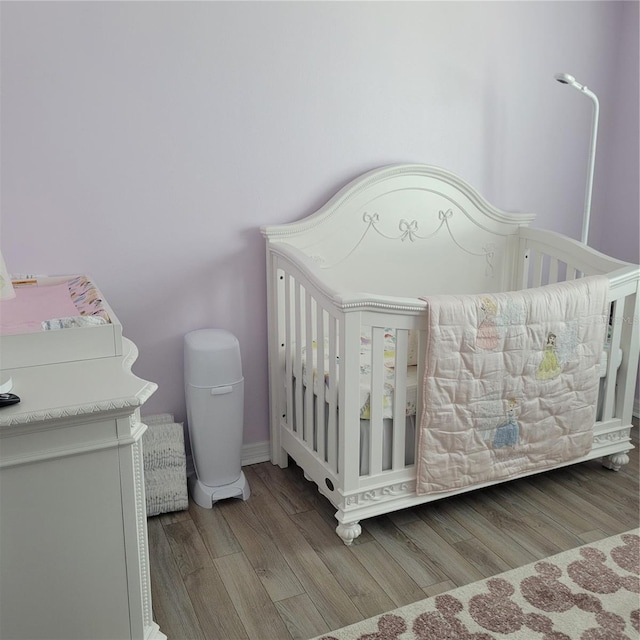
{"x": 510, "y": 383}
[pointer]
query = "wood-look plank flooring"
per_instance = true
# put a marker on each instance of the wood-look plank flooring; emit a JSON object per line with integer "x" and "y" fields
{"x": 272, "y": 568}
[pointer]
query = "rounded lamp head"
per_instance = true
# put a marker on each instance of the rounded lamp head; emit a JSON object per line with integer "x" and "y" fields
{"x": 565, "y": 78}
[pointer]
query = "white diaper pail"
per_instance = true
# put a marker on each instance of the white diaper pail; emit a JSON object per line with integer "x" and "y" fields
{"x": 214, "y": 393}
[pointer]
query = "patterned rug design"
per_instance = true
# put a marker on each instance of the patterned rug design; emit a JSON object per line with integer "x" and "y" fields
{"x": 588, "y": 593}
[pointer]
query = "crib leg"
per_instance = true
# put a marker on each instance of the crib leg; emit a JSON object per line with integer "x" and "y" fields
{"x": 615, "y": 461}
{"x": 348, "y": 531}
{"x": 279, "y": 456}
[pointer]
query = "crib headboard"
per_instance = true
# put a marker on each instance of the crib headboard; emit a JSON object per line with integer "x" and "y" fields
{"x": 407, "y": 230}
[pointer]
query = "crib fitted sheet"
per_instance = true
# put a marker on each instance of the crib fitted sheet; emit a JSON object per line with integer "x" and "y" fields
{"x": 365, "y": 374}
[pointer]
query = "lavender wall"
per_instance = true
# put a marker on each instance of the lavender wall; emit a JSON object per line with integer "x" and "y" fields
{"x": 145, "y": 143}
{"x": 616, "y": 206}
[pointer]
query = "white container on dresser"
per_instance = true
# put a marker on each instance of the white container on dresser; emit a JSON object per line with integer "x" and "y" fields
{"x": 73, "y": 535}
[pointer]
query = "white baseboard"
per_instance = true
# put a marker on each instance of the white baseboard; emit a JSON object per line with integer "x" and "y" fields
{"x": 256, "y": 452}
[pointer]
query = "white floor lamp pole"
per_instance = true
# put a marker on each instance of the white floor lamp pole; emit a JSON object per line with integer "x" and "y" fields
{"x": 565, "y": 78}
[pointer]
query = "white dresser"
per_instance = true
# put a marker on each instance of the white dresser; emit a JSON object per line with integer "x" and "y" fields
{"x": 73, "y": 536}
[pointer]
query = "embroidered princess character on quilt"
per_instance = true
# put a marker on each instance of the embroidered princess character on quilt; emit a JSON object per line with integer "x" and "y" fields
{"x": 550, "y": 366}
{"x": 487, "y": 337}
{"x": 508, "y": 433}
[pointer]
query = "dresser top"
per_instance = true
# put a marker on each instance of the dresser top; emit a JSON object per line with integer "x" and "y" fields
{"x": 74, "y": 389}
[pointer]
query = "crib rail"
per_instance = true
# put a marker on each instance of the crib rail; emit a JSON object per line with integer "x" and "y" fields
{"x": 546, "y": 257}
{"x": 304, "y": 317}
{"x": 316, "y": 399}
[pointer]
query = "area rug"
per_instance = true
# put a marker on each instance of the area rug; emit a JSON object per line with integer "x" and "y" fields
{"x": 588, "y": 593}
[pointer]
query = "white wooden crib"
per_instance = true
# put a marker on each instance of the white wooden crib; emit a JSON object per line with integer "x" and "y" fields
{"x": 354, "y": 273}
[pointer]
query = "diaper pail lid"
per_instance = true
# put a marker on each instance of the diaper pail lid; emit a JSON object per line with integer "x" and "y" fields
{"x": 211, "y": 358}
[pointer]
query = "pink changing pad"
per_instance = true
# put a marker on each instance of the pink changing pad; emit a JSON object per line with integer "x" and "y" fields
{"x": 34, "y": 304}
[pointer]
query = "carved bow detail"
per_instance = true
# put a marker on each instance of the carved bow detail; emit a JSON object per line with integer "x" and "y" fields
{"x": 370, "y": 218}
{"x": 445, "y": 215}
{"x": 489, "y": 254}
{"x": 408, "y": 229}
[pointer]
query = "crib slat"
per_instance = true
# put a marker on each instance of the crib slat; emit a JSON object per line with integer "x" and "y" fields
{"x": 319, "y": 423}
{"x": 288, "y": 356}
{"x": 400, "y": 400}
{"x": 553, "y": 270}
{"x": 376, "y": 401}
{"x": 297, "y": 370}
{"x": 422, "y": 342}
{"x": 537, "y": 270}
{"x": 608, "y": 406}
{"x": 349, "y": 401}
{"x": 524, "y": 282}
{"x": 332, "y": 393}
{"x": 307, "y": 430}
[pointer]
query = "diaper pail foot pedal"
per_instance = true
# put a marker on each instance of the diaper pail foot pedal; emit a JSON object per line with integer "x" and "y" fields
{"x": 206, "y": 497}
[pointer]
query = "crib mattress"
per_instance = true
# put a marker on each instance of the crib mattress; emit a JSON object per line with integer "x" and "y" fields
{"x": 365, "y": 375}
